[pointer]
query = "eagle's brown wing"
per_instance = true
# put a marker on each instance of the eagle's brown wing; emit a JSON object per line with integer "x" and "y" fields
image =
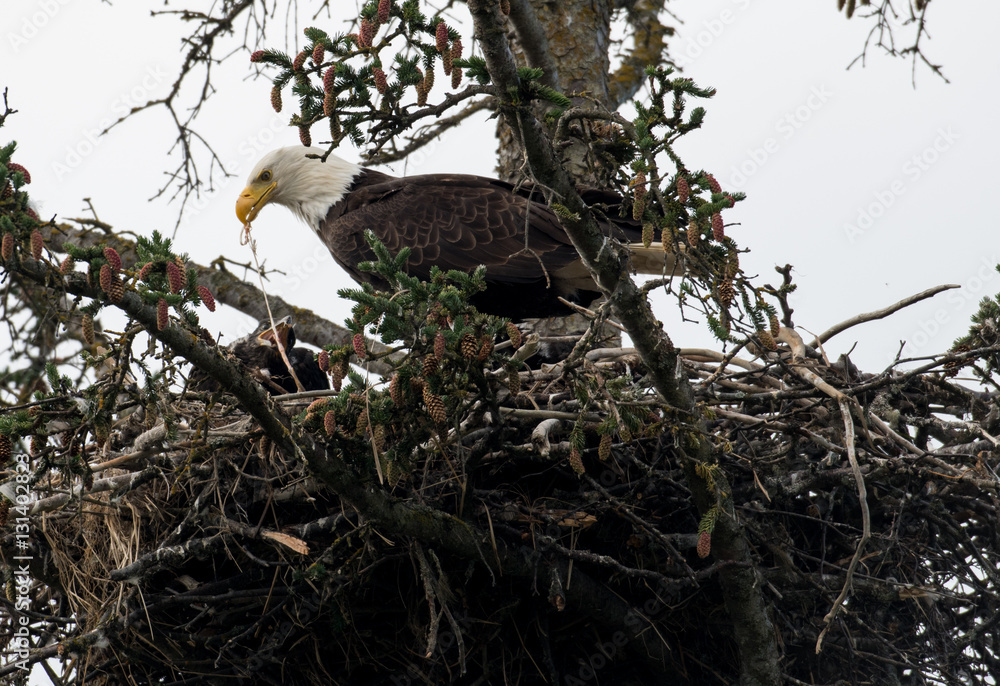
{"x": 453, "y": 221}
{"x": 459, "y": 222}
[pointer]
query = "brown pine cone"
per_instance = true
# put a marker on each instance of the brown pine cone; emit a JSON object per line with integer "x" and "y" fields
{"x": 704, "y": 544}
{"x": 435, "y": 406}
{"x": 467, "y": 346}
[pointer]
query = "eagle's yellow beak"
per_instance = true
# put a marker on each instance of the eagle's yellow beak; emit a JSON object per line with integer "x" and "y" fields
{"x": 252, "y": 199}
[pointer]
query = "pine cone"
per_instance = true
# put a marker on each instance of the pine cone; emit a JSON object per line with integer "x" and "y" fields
{"x": 513, "y": 380}
{"x": 485, "y": 349}
{"x": 638, "y": 185}
{"x": 66, "y": 266}
{"x": 421, "y": 89}
{"x": 207, "y": 298}
{"x": 359, "y": 346}
{"x": 446, "y": 62}
{"x": 162, "y": 315}
{"x": 105, "y": 278}
{"x": 363, "y": 421}
{"x": 575, "y": 461}
{"x": 87, "y": 326}
{"x": 704, "y": 544}
{"x": 315, "y": 406}
{"x": 456, "y": 49}
{"x": 726, "y": 292}
{"x": 381, "y": 83}
{"x": 505, "y": 7}
{"x": 439, "y": 345}
{"x": 318, "y": 53}
{"x": 396, "y": 390}
{"x": 647, "y": 234}
{"x": 37, "y": 244}
{"x": 329, "y": 104}
{"x": 456, "y": 77}
{"x": 256, "y": 55}
{"x": 514, "y": 334}
{"x": 13, "y": 167}
{"x": 111, "y": 255}
{"x": 329, "y": 79}
{"x": 384, "y": 7}
{"x": 733, "y": 263}
{"x": 6, "y": 445}
{"x": 174, "y": 277}
{"x": 299, "y": 61}
{"x": 694, "y": 234}
{"x": 775, "y": 325}
{"x": 337, "y": 374}
{"x": 441, "y": 36}
{"x": 323, "y": 360}
{"x": 435, "y": 406}
{"x": 604, "y": 449}
{"x": 367, "y": 33}
{"x": 467, "y": 346}
{"x": 276, "y": 98}
{"x": 145, "y": 271}
{"x": 683, "y": 190}
{"x": 117, "y": 289}
{"x": 625, "y": 434}
{"x": 430, "y": 365}
{"x": 667, "y": 238}
{"x": 713, "y": 185}
{"x": 7, "y": 246}
{"x": 304, "y": 136}
{"x": 952, "y": 367}
{"x": 718, "y": 227}
{"x": 767, "y": 340}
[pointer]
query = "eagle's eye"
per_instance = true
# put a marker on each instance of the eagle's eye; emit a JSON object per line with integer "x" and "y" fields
{"x": 265, "y": 175}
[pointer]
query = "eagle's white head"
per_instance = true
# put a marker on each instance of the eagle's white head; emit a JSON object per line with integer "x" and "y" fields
{"x": 306, "y": 186}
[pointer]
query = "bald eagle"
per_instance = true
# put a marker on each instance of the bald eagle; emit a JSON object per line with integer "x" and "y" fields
{"x": 454, "y": 221}
{"x": 258, "y": 352}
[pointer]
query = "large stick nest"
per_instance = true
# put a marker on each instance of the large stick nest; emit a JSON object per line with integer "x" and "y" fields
{"x": 476, "y": 521}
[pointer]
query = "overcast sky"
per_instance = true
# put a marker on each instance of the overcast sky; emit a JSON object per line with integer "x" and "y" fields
{"x": 872, "y": 189}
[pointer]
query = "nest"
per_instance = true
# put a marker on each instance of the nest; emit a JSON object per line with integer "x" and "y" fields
{"x": 208, "y": 552}
{"x": 474, "y": 517}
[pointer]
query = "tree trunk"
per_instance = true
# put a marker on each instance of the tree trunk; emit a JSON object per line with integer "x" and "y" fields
{"x": 570, "y": 42}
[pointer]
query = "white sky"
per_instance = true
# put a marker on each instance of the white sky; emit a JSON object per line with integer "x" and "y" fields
{"x": 813, "y": 145}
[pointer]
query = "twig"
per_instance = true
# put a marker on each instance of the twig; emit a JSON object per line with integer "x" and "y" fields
{"x": 845, "y": 410}
{"x": 879, "y": 314}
